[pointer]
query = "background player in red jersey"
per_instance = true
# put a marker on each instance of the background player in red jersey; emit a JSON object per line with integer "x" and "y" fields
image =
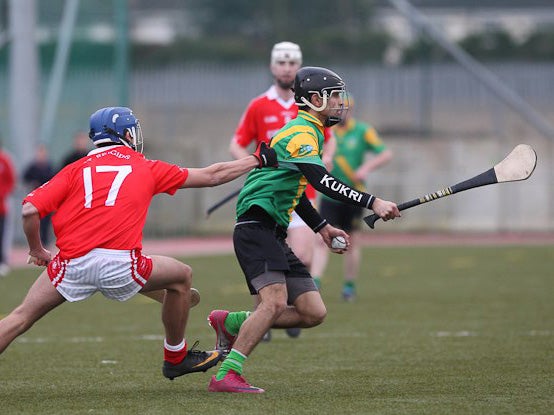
{"x": 263, "y": 117}
{"x": 100, "y": 204}
{"x": 7, "y": 183}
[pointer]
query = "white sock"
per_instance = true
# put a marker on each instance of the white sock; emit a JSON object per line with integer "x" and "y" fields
{"x": 174, "y": 348}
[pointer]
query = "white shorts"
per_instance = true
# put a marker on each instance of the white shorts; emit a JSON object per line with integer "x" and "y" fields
{"x": 117, "y": 274}
{"x": 296, "y": 221}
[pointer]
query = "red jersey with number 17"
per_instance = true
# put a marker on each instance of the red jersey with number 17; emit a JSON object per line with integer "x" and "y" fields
{"x": 101, "y": 200}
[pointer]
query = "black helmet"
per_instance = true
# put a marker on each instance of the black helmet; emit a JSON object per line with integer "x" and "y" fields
{"x": 315, "y": 80}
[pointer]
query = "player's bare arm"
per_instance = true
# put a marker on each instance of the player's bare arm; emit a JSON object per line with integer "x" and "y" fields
{"x": 223, "y": 172}
{"x": 373, "y": 164}
{"x": 31, "y": 227}
{"x": 329, "y": 152}
{"x": 385, "y": 210}
{"x": 219, "y": 173}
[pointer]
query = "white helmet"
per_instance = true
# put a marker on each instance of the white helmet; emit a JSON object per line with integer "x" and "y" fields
{"x": 286, "y": 51}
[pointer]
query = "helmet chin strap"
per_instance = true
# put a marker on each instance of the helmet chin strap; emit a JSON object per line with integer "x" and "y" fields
{"x": 122, "y": 138}
{"x": 312, "y": 106}
{"x": 329, "y": 120}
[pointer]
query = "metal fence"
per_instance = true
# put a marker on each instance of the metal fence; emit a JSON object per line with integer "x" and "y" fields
{"x": 440, "y": 122}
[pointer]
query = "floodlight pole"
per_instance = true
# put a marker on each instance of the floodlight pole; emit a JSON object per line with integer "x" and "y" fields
{"x": 121, "y": 50}
{"x": 57, "y": 75}
{"x": 488, "y": 78}
{"x": 24, "y": 91}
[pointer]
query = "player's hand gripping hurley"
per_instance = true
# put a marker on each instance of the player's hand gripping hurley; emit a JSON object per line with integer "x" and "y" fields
{"x": 518, "y": 165}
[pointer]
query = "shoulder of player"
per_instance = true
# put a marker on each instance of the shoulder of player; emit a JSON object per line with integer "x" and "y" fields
{"x": 362, "y": 126}
{"x": 259, "y": 103}
{"x": 294, "y": 128}
{"x": 119, "y": 155}
{"x": 4, "y": 157}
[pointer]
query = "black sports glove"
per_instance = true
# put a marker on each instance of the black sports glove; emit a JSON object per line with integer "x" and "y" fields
{"x": 267, "y": 157}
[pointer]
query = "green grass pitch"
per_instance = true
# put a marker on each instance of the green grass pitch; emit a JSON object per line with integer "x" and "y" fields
{"x": 449, "y": 330}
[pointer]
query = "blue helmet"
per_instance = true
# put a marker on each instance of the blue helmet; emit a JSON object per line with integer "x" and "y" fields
{"x": 109, "y": 125}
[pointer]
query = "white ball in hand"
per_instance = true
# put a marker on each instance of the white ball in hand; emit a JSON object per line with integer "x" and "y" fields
{"x": 338, "y": 242}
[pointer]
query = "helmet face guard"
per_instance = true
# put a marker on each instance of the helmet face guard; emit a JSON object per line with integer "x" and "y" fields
{"x": 337, "y": 112}
{"x": 328, "y": 86}
{"x": 110, "y": 125}
{"x": 137, "y": 141}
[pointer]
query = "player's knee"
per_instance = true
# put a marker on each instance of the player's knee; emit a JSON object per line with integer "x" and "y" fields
{"x": 315, "y": 317}
{"x": 184, "y": 281}
{"x": 187, "y": 271}
{"x": 274, "y": 307}
{"x": 273, "y": 299}
{"x": 278, "y": 307}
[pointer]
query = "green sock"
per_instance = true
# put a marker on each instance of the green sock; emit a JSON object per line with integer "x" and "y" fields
{"x": 234, "y": 320}
{"x": 317, "y": 282}
{"x": 233, "y": 361}
{"x": 350, "y": 284}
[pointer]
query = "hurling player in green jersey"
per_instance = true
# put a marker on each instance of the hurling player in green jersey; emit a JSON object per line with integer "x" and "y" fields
{"x": 288, "y": 294}
{"x": 354, "y": 141}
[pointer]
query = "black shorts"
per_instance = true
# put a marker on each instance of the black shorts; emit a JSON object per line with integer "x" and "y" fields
{"x": 261, "y": 248}
{"x": 341, "y": 215}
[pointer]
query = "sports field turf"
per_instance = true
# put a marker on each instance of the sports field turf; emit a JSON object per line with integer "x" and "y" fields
{"x": 452, "y": 330}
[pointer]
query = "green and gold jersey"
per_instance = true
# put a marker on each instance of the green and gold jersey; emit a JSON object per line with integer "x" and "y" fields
{"x": 354, "y": 140}
{"x": 278, "y": 190}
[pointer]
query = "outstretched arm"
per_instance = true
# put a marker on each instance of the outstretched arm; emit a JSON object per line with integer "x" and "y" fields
{"x": 373, "y": 164}
{"x": 329, "y": 150}
{"x": 219, "y": 173}
{"x": 223, "y": 172}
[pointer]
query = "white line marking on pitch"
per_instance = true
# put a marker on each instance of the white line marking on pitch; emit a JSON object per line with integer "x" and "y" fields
{"x": 85, "y": 339}
{"x": 462, "y": 333}
{"x": 150, "y": 337}
{"x": 157, "y": 337}
{"x": 539, "y": 333}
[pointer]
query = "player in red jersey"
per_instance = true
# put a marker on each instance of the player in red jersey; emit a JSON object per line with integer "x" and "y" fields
{"x": 264, "y": 116}
{"x": 7, "y": 183}
{"x": 100, "y": 204}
